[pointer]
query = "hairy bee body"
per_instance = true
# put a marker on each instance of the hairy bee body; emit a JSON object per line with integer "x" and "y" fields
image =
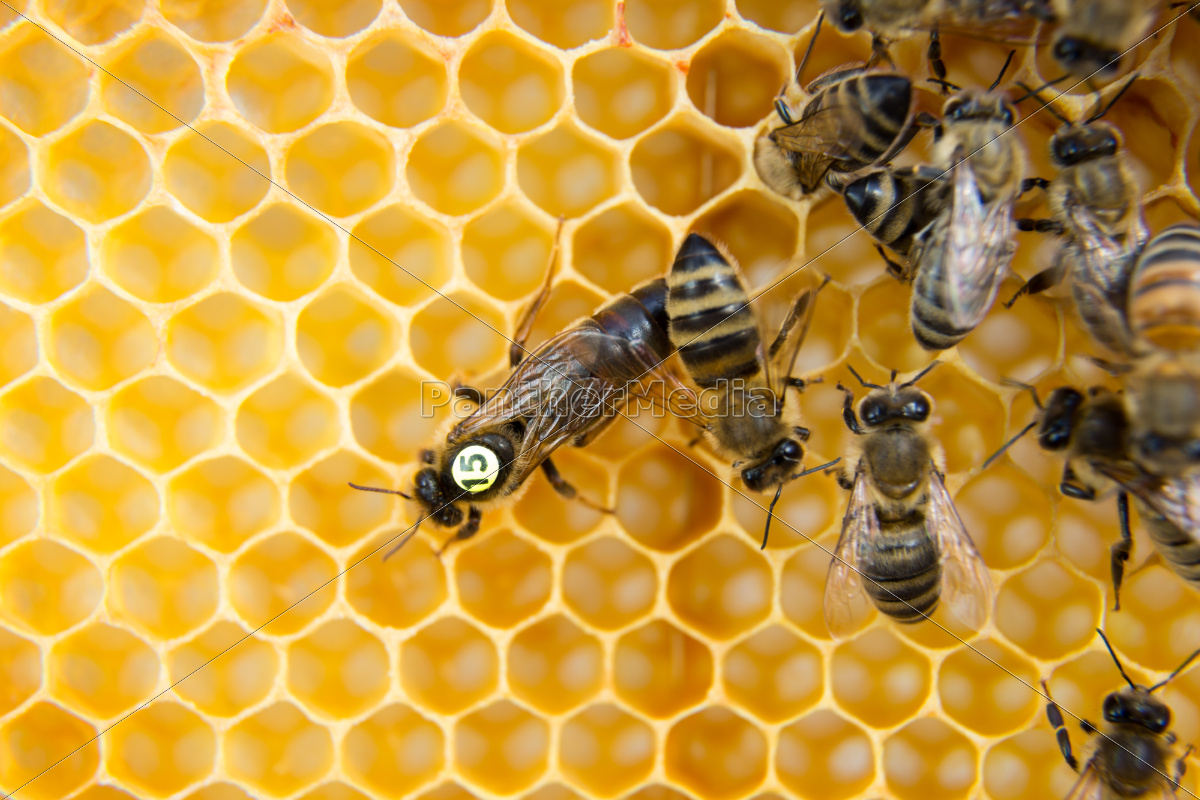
{"x": 894, "y": 18}
{"x": 1093, "y": 35}
{"x": 895, "y": 204}
{"x": 1164, "y": 296}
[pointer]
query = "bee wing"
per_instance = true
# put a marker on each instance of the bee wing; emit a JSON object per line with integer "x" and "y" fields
{"x": 966, "y": 583}
{"x": 786, "y": 346}
{"x": 1176, "y": 499}
{"x": 847, "y": 605}
{"x": 979, "y": 247}
{"x": 1089, "y": 786}
{"x": 818, "y": 140}
{"x": 1105, "y": 261}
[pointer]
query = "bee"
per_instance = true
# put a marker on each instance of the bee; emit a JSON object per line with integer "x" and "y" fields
{"x": 721, "y": 345}
{"x": 1164, "y": 299}
{"x": 903, "y": 546}
{"x": 566, "y": 391}
{"x": 851, "y": 118}
{"x": 1129, "y": 755}
{"x": 1093, "y": 35}
{"x": 1094, "y": 205}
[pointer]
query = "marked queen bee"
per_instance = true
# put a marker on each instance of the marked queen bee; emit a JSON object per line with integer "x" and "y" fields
{"x": 903, "y": 547}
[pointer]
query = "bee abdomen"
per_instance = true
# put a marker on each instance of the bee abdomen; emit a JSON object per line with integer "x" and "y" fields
{"x": 929, "y": 313}
{"x": 882, "y": 102}
{"x": 1177, "y": 548}
{"x": 711, "y": 320}
{"x": 1164, "y": 298}
{"x": 904, "y": 576}
{"x": 887, "y": 204}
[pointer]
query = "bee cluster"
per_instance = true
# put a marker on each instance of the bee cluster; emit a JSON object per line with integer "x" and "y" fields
{"x": 947, "y": 231}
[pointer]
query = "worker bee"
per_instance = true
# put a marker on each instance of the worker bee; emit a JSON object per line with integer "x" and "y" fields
{"x": 850, "y": 118}
{"x": 1094, "y": 35}
{"x": 1164, "y": 299}
{"x": 894, "y": 205}
{"x": 1131, "y": 752}
{"x": 1094, "y": 205}
{"x": 903, "y": 546}
{"x": 566, "y": 391}
{"x": 751, "y": 419}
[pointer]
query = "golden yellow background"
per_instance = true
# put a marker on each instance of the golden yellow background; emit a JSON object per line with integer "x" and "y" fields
{"x": 195, "y": 361}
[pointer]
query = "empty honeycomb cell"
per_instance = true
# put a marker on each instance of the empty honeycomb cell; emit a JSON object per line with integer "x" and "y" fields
{"x": 1048, "y": 611}
{"x": 399, "y": 592}
{"x": 1084, "y": 531}
{"x": 660, "y": 670}
{"x": 20, "y": 352}
{"x": 98, "y": 340}
{"x": 456, "y": 168}
{"x": 102, "y": 504}
{"x": 217, "y": 171}
{"x": 1151, "y": 117}
{"x": 278, "y": 750}
{"x": 42, "y": 254}
{"x": 163, "y": 749}
{"x": 341, "y": 168}
{"x": 608, "y": 584}
{"x": 283, "y": 573}
{"x": 680, "y": 167}
{"x": 283, "y": 253}
{"x": 448, "y": 791}
{"x": 761, "y": 233}
{"x": 338, "y": 670}
{"x": 160, "y": 423}
{"x": 400, "y": 254}
{"x": 11, "y": 12}
{"x": 656, "y": 792}
{"x": 665, "y": 500}
{"x": 606, "y": 751}
{"x": 501, "y": 748}
{"x": 928, "y": 758}
{"x": 215, "y": 20}
{"x": 102, "y": 669}
{"x": 318, "y": 499}
{"x": 449, "y": 666}
{"x": 554, "y": 665}
{"x": 1156, "y": 624}
{"x": 566, "y": 172}
{"x": 723, "y": 588}
{"x": 223, "y": 670}
{"x": 621, "y": 247}
{"x": 824, "y": 755}
{"x": 20, "y": 670}
{"x": 286, "y": 423}
{"x": 1008, "y": 515}
{"x": 883, "y": 328}
{"x": 396, "y": 79}
{"x": 149, "y": 74}
{"x": 218, "y": 791}
{"x": 164, "y": 588}
{"x": 43, "y": 83}
{"x": 18, "y": 507}
{"x": 391, "y": 417}
{"x": 334, "y": 791}
{"x": 43, "y": 425}
{"x": 14, "y": 166}
{"x": 985, "y": 688}
{"x": 342, "y": 337}
{"x": 1027, "y": 766}
{"x": 100, "y": 791}
{"x": 836, "y": 245}
{"x": 48, "y": 588}
{"x": 632, "y": 431}
{"x": 393, "y": 752}
{"x": 502, "y": 579}
{"x": 552, "y": 791}
{"x": 968, "y": 418}
{"x": 451, "y": 18}
{"x": 222, "y": 502}
{"x": 620, "y": 92}
{"x": 158, "y": 256}
{"x": 91, "y": 22}
{"x": 509, "y": 84}
{"x": 334, "y": 18}
{"x": 716, "y": 754}
{"x": 774, "y": 674}
{"x": 782, "y": 17}
{"x": 458, "y": 333}
{"x": 733, "y": 79}
{"x": 671, "y": 24}
{"x": 547, "y": 514}
{"x": 1020, "y": 343}
{"x": 96, "y": 172}
{"x": 568, "y": 302}
{"x": 280, "y": 82}
{"x": 880, "y": 679}
{"x": 564, "y": 27}
{"x": 506, "y": 251}
{"x": 35, "y": 741}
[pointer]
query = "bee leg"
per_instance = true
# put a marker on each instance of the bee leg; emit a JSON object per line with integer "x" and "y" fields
{"x": 894, "y": 268}
{"x": 1119, "y": 552}
{"x": 1039, "y": 226}
{"x": 934, "y": 54}
{"x": 879, "y": 51}
{"x": 1034, "y": 183}
{"x": 1054, "y": 715}
{"x": 466, "y": 531}
{"x": 517, "y": 351}
{"x": 848, "y": 414}
{"x": 566, "y": 490}
{"x": 1181, "y": 767}
{"x": 1046, "y": 279}
{"x": 1070, "y": 485}
{"x": 800, "y": 384}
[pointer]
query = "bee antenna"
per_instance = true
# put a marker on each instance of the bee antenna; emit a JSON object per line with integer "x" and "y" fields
{"x": 404, "y": 540}
{"x": 1004, "y": 447}
{"x": 1045, "y": 103}
{"x": 1178, "y": 670}
{"x": 377, "y": 489}
{"x": 1117, "y": 661}
{"x": 945, "y": 84}
{"x": 1003, "y": 70}
{"x": 811, "y": 42}
{"x": 918, "y": 376}
{"x": 1024, "y": 387}
{"x": 770, "y": 513}
{"x": 892, "y": 379}
{"x": 866, "y": 385}
{"x": 1112, "y": 102}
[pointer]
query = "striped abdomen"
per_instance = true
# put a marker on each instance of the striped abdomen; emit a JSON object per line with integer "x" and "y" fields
{"x": 893, "y": 205}
{"x": 1177, "y": 548}
{"x": 712, "y": 323}
{"x": 904, "y": 568}
{"x": 1164, "y": 294}
{"x": 929, "y": 312}
{"x": 876, "y": 108}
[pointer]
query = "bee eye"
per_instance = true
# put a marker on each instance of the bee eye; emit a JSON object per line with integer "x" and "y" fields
{"x": 1192, "y": 450}
{"x": 851, "y": 19}
{"x": 789, "y": 451}
{"x": 1006, "y": 114}
{"x": 917, "y": 409}
{"x": 1068, "y": 50}
{"x": 1109, "y": 145}
{"x": 1152, "y": 444}
{"x": 1160, "y": 722}
{"x": 873, "y": 413}
{"x": 1114, "y": 709}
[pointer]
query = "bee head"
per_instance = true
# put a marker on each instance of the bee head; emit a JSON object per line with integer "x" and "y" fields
{"x": 1076, "y": 144}
{"x": 979, "y": 106}
{"x": 846, "y": 15}
{"x": 777, "y": 467}
{"x": 435, "y": 503}
{"x": 894, "y": 404}
{"x": 1059, "y": 418}
{"x": 1134, "y": 705}
{"x": 1081, "y": 57}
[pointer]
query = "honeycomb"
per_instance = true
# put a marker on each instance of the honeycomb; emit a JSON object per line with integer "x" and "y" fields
{"x": 202, "y": 210}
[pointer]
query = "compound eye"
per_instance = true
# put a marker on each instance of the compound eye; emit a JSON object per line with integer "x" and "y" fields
{"x": 851, "y": 19}
{"x": 954, "y": 109}
{"x": 1192, "y": 450}
{"x": 1114, "y": 709}
{"x": 917, "y": 409}
{"x": 1109, "y": 145}
{"x": 789, "y": 450}
{"x": 872, "y": 413}
{"x": 1006, "y": 114}
{"x": 475, "y": 468}
{"x": 1159, "y": 722}
{"x": 1068, "y": 50}
{"x": 1152, "y": 444}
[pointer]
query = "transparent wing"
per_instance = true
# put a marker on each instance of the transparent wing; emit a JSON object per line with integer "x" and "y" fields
{"x": 966, "y": 583}
{"x": 1089, "y": 786}
{"x": 1105, "y": 261}
{"x": 1176, "y": 499}
{"x": 783, "y": 351}
{"x": 847, "y": 605}
{"x": 817, "y": 141}
{"x": 979, "y": 247}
